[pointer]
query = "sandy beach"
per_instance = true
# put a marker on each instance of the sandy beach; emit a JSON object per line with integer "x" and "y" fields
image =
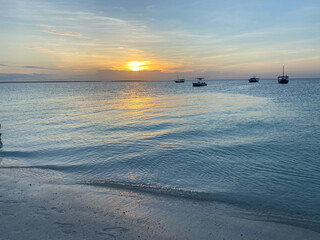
{"x": 35, "y": 205}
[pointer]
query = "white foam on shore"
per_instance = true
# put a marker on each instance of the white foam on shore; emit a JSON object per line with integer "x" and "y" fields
{"x": 38, "y": 207}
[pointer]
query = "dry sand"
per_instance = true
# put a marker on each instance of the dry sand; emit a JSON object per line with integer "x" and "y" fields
{"x": 36, "y": 205}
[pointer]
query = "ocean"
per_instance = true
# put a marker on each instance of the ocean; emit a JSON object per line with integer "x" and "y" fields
{"x": 255, "y": 146}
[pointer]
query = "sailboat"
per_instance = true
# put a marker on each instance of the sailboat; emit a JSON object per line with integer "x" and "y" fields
{"x": 284, "y": 79}
{"x": 199, "y": 83}
{"x": 179, "y": 80}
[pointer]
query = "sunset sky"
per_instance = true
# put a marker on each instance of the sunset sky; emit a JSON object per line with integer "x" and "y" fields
{"x": 158, "y": 40}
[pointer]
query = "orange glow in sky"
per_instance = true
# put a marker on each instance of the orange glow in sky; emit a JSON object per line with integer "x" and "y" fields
{"x": 137, "y": 66}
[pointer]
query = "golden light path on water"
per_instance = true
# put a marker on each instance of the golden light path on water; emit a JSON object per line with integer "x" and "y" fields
{"x": 136, "y": 106}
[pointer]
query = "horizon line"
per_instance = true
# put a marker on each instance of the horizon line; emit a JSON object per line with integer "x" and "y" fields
{"x": 222, "y": 79}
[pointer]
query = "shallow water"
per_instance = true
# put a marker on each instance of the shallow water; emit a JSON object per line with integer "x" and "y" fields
{"x": 254, "y": 145}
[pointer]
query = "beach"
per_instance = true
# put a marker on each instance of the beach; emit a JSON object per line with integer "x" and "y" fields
{"x": 34, "y": 207}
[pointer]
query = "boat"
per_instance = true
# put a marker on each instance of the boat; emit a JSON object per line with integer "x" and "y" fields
{"x": 254, "y": 79}
{"x": 199, "y": 83}
{"x": 284, "y": 79}
{"x": 179, "y": 80}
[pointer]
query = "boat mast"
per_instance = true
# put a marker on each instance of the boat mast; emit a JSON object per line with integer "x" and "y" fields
{"x": 283, "y": 70}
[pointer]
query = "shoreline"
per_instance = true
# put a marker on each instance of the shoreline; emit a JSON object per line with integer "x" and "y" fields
{"x": 38, "y": 204}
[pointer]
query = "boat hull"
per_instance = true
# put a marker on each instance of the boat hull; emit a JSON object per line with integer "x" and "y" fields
{"x": 199, "y": 84}
{"x": 254, "y": 80}
{"x": 283, "y": 81}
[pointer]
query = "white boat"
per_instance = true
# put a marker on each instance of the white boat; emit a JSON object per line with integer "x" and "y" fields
{"x": 179, "y": 80}
{"x": 199, "y": 83}
{"x": 284, "y": 79}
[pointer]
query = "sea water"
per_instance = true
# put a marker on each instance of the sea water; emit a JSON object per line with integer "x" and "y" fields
{"x": 252, "y": 145}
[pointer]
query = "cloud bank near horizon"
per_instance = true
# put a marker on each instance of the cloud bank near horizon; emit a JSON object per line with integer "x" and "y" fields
{"x": 114, "y": 75}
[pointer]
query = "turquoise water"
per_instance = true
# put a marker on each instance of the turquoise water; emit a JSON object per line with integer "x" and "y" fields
{"x": 253, "y": 145}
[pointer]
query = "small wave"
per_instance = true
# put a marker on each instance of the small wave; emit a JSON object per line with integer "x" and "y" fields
{"x": 20, "y": 154}
{"x": 252, "y": 205}
{"x": 162, "y": 190}
{"x": 45, "y": 167}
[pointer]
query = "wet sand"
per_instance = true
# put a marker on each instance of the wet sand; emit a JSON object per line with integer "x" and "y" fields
{"x": 40, "y": 205}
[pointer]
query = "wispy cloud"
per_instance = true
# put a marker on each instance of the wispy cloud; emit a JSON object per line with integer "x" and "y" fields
{"x": 39, "y": 48}
{"x": 53, "y": 31}
{"x": 2, "y": 65}
{"x": 101, "y": 19}
{"x": 37, "y": 67}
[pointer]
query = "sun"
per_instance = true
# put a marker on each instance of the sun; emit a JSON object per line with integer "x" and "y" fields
{"x": 136, "y": 66}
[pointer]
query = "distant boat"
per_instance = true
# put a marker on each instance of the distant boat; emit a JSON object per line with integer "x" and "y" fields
{"x": 179, "y": 80}
{"x": 284, "y": 79}
{"x": 254, "y": 79}
{"x": 199, "y": 83}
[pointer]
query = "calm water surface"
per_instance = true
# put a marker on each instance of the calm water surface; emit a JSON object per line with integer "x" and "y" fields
{"x": 251, "y": 145}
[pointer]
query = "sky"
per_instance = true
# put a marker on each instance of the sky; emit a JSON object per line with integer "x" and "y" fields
{"x": 109, "y": 40}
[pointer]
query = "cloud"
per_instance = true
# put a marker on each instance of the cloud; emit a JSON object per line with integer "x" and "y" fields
{"x": 11, "y": 77}
{"x": 102, "y": 19}
{"x": 32, "y": 67}
{"x": 39, "y": 48}
{"x": 53, "y": 31}
{"x": 115, "y": 75}
{"x": 37, "y": 67}
{"x": 2, "y": 65}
